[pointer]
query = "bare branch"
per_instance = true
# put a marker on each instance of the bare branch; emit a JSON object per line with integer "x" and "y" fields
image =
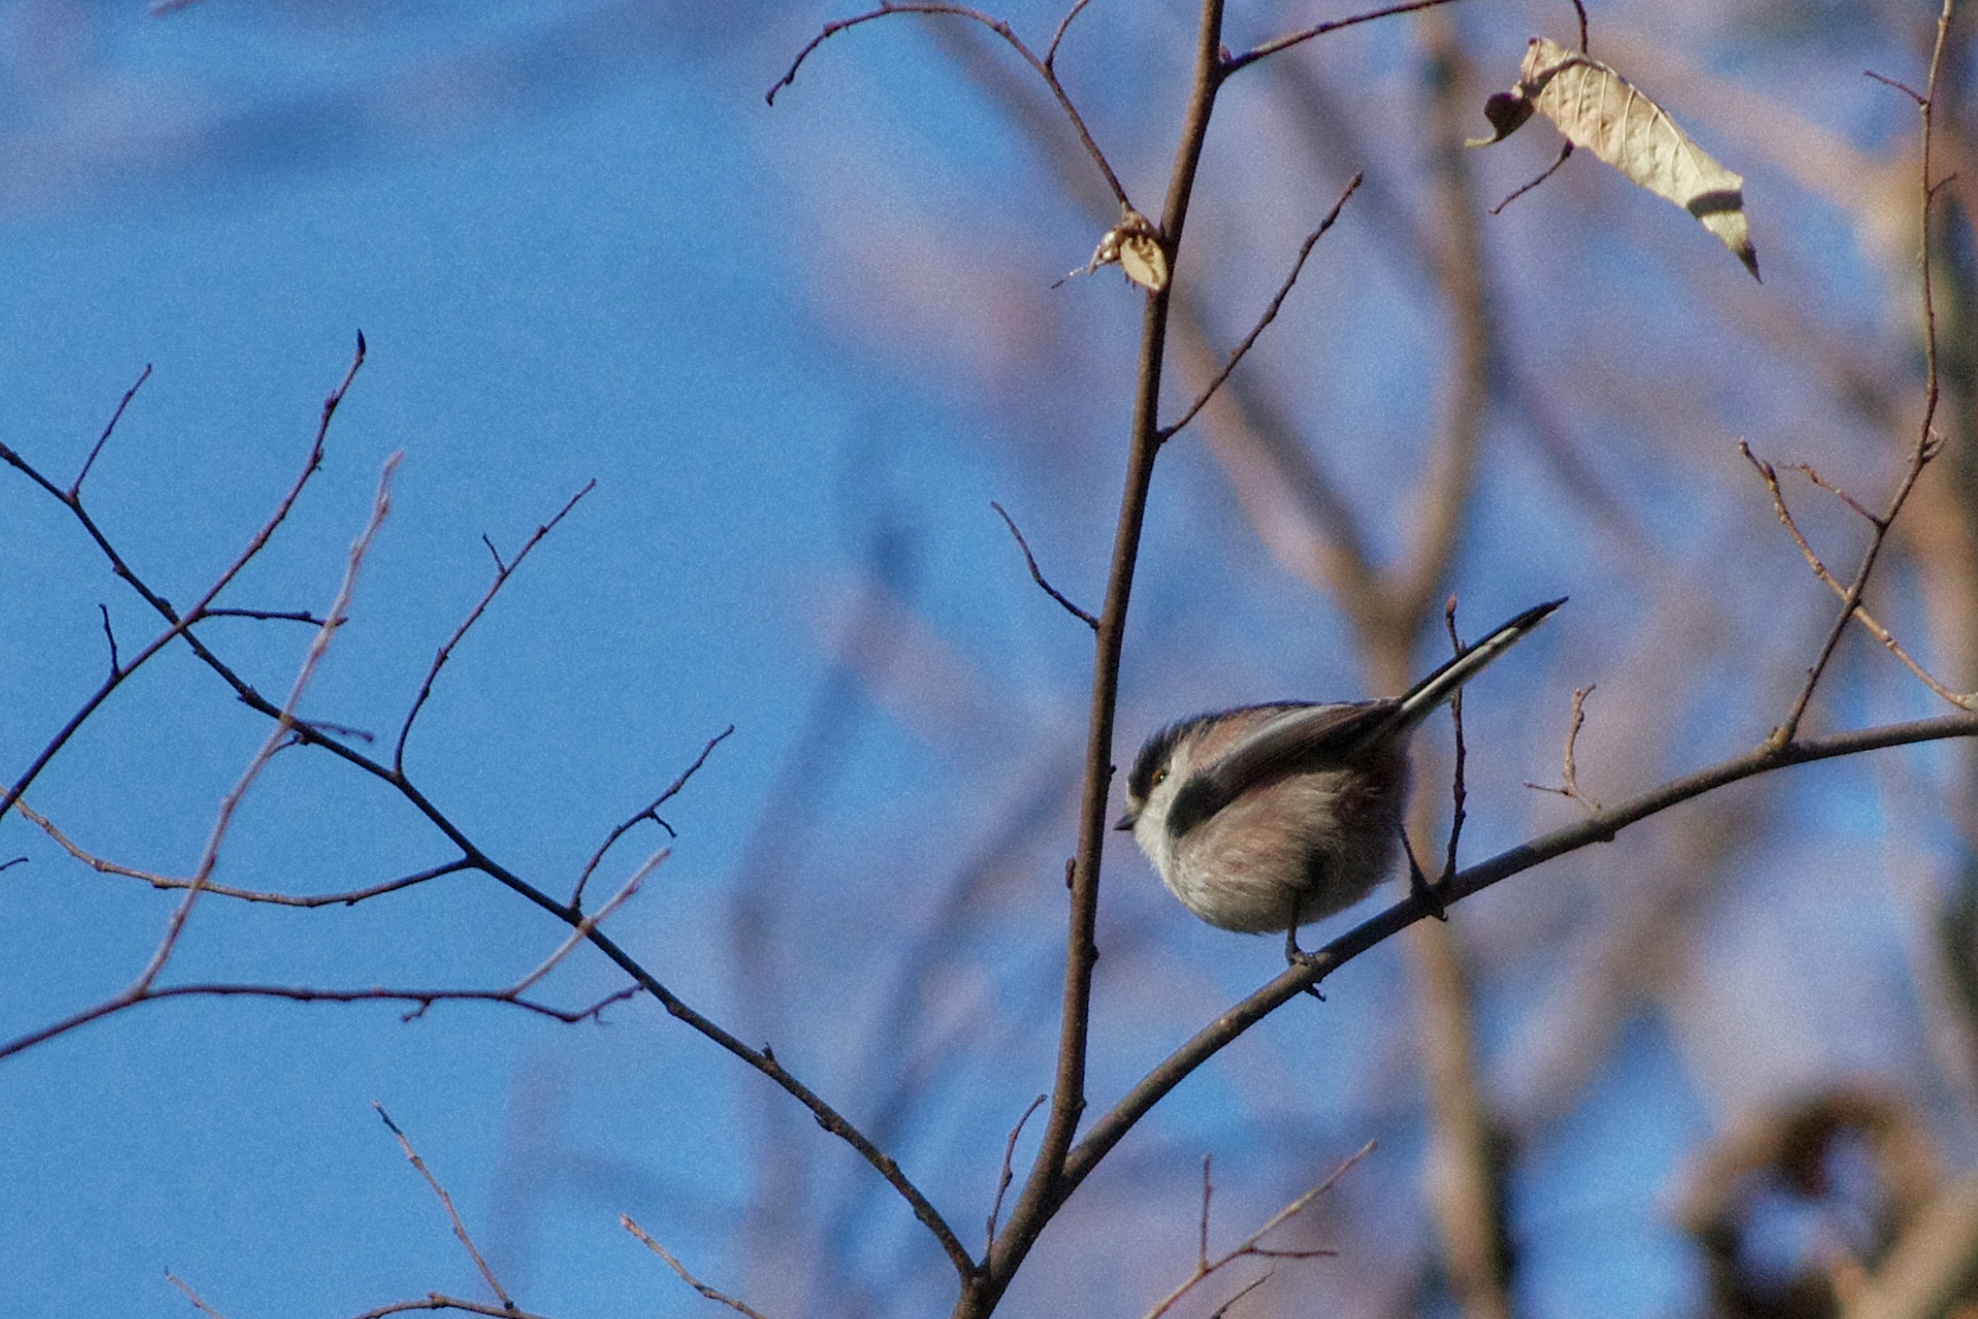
{"x": 1044, "y": 68}
{"x": 155, "y": 880}
{"x": 1928, "y": 444}
{"x": 1565, "y": 154}
{"x": 583, "y": 928}
{"x": 1456, "y": 787}
{"x": 1046, "y": 1185}
{"x": 459, "y": 1228}
{"x": 1064, "y": 25}
{"x": 1037, "y": 575}
{"x": 1250, "y": 1246}
{"x": 110, "y": 636}
{"x": 649, "y": 813}
{"x": 432, "y": 1300}
{"x": 269, "y": 615}
{"x": 503, "y": 571}
{"x": 75, "y": 486}
{"x": 1003, "y": 1181}
{"x": 421, "y": 999}
{"x": 277, "y": 737}
{"x": 625, "y": 1221}
{"x": 1570, "y": 771}
{"x": 1808, "y": 471}
{"x": 1270, "y": 314}
{"x": 179, "y": 625}
{"x": 1286, "y": 42}
{"x": 1770, "y": 476}
{"x": 191, "y": 1295}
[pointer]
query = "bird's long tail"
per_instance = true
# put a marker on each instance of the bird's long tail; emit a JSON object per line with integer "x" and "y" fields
{"x": 1426, "y": 695}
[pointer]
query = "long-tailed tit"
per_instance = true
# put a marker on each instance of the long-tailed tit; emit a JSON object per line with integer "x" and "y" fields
{"x": 1269, "y": 817}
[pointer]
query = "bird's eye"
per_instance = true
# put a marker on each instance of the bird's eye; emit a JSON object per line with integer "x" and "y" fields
{"x": 1160, "y": 777}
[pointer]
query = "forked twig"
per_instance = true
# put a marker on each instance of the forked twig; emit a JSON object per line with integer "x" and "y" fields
{"x": 503, "y": 571}
{"x": 1570, "y": 770}
{"x": 740, "y": 1307}
{"x": 1928, "y": 443}
{"x": 1770, "y": 476}
{"x": 582, "y": 930}
{"x": 178, "y": 625}
{"x": 650, "y": 812}
{"x": 1037, "y": 574}
{"x": 1044, "y": 67}
{"x": 459, "y": 1228}
{"x": 1270, "y": 314}
{"x": 1249, "y": 1248}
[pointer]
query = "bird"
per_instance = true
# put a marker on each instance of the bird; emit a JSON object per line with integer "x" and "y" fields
{"x": 1270, "y": 817}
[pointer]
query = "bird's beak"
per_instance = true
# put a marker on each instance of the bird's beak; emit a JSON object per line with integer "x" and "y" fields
{"x": 1125, "y": 822}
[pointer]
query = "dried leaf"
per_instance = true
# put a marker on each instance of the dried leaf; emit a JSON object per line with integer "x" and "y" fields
{"x": 1598, "y": 109}
{"x": 1141, "y": 257}
{"x": 1135, "y": 248}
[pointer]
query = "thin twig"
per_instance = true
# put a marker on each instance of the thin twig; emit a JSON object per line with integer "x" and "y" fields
{"x": 420, "y": 999}
{"x": 1812, "y": 474}
{"x": 110, "y": 636}
{"x": 75, "y": 486}
{"x": 431, "y": 1300}
{"x": 1001, "y": 29}
{"x": 1458, "y": 793}
{"x": 1581, "y": 10}
{"x": 459, "y": 1228}
{"x": 1037, "y": 574}
{"x": 1565, "y": 154}
{"x": 278, "y": 736}
{"x": 1242, "y": 1292}
{"x": 104, "y": 866}
{"x": 1270, "y": 314}
{"x": 269, "y": 615}
{"x": 1064, "y": 25}
{"x": 651, "y": 812}
{"x": 1569, "y": 769}
{"x": 1276, "y": 44}
{"x": 1249, "y": 1247}
{"x": 198, "y": 1301}
{"x": 625, "y": 1221}
{"x": 1008, "y": 1175}
{"x": 503, "y": 571}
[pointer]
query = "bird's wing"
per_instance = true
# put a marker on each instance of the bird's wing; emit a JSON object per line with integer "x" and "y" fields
{"x": 1303, "y": 738}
